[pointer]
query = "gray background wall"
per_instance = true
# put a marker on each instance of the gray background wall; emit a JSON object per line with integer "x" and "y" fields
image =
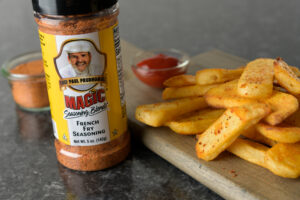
{"x": 247, "y": 28}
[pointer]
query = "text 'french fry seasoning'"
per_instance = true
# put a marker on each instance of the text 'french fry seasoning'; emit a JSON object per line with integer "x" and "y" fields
{"x": 81, "y": 51}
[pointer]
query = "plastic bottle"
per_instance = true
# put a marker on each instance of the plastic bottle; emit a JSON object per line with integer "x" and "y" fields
{"x": 83, "y": 67}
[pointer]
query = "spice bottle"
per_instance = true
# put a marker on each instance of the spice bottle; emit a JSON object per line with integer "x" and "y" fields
{"x": 83, "y": 67}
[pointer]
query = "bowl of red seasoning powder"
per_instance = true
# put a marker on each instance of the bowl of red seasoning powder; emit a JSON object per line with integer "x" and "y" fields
{"x": 26, "y": 77}
{"x": 155, "y": 66}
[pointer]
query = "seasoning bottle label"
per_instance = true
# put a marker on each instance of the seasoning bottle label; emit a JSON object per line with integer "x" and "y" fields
{"x": 85, "y": 85}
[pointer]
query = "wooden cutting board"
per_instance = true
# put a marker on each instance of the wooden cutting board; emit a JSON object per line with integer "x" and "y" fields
{"x": 228, "y": 175}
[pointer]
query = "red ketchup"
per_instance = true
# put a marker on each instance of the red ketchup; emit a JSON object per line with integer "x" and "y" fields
{"x": 155, "y": 70}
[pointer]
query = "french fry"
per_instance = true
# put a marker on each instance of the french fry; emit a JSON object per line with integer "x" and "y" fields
{"x": 282, "y": 105}
{"x": 294, "y": 119}
{"x": 253, "y": 134}
{"x": 186, "y": 91}
{"x": 286, "y": 77}
{"x": 297, "y": 96}
{"x": 248, "y": 150}
{"x": 257, "y": 79}
{"x": 265, "y": 89}
{"x": 282, "y": 133}
{"x": 180, "y": 80}
{"x": 227, "y": 128}
{"x": 295, "y": 70}
{"x": 159, "y": 113}
{"x": 213, "y": 76}
{"x": 194, "y": 123}
{"x": 284, "y": 160}
{"x": 225, "y": 96}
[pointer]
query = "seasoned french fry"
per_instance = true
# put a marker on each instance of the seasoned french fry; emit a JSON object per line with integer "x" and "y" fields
{"x": 297, "y": 96}
{"x": 212, "y": 76}
{"x": 227, "y": 128}
{"x": 294, "y": 119}
{"x": 266, "y": 89}
{"x": 257, "y": 79}
{"x": 180, "y": 80}
{"x": 248, "y": 150}
{"x": 295, "y": 70}
{"x": 196, "y": 122}
{"x": 282, "y": 105}
{"x": 253, "y": 134}
{"x": 159, "y": 113}
{"x": 286, "y": 77}
{"x": 282, "y": 133}
{"x": 284, "y": 160}
{"x": 225, "y": 96}
{"x": 186, "y": 91}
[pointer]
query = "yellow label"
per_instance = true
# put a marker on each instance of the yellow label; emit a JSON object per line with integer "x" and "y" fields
{"x": 85, "y": 85}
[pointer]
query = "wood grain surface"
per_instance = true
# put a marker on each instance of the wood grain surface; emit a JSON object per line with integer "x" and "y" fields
{"x": 229, "y": 176}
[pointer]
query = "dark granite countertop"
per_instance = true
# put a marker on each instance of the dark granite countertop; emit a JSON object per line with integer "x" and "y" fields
{"x": 28, "y": 167}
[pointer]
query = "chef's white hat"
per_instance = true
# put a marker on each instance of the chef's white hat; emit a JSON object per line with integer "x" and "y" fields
{"x": 78, "y": 46}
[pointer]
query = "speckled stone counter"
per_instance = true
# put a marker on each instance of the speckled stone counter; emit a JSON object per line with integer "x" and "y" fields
{"x": 29, "y": 169}
{"x": 28, "y": 166}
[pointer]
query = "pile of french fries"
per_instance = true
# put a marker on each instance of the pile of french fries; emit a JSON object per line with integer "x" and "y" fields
{"x": 250, "y": 111}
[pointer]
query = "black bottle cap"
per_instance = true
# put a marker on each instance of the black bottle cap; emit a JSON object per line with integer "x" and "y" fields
{"x": 70, "y": 7}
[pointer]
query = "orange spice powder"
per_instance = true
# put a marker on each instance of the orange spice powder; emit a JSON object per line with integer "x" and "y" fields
{"x": 31, "y": 92}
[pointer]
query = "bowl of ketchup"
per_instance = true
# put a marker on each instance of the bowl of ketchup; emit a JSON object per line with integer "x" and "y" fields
{"x": 155, "y": 66}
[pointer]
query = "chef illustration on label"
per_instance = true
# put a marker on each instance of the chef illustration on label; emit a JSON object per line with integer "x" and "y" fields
{"x": 80, "y": 58}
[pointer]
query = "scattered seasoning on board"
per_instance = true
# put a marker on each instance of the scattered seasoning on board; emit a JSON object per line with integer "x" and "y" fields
{"x": 81, "y": 48}
{"x": 233, "y": 172}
